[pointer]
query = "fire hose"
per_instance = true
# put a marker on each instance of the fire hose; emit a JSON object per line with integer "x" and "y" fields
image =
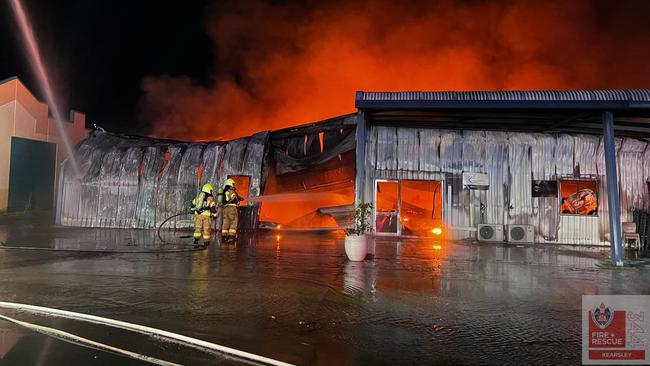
{"x": 155, "y": 333}
{"x": 5, "y": 245}
{"x": 166, "y": 221}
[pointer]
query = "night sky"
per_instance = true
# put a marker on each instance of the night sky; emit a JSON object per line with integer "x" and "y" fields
{"x": 99, "y": 51}
{"x": 222, "y": 69}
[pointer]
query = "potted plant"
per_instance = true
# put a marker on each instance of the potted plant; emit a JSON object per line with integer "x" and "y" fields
{"x": 356, "y": 241}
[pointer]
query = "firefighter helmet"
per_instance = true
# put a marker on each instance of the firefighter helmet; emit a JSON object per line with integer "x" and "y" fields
{"x": 207, "y": 188}
{"x": 229, "y": 182}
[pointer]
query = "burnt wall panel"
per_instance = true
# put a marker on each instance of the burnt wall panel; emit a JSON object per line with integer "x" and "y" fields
{"x": 128, "y": 191}
{"x": 512, "y": 161}
{"x": 545, "y": 209}
{"x": 134, "y": 182}
{"x": 148, "y": 170}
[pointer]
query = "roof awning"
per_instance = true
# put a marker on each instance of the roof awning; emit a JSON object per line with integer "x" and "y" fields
{"x": 571, "y": 111}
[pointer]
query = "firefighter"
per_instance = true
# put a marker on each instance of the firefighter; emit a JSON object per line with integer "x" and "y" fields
{"x": 204, "y": 208}
{"x": 230, "y": 202}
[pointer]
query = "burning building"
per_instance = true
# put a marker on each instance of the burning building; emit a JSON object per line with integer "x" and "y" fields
{"x": 546, "y": 163}
{"x": 286, "y": 176}
{"x": 532, "y": 160}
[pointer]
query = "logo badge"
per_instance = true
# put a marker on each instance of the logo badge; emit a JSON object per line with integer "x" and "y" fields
{"x": 602, "y": 316}
{"x": 615, "y": 329}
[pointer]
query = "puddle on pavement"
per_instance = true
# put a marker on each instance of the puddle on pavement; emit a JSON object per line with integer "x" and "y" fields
{"x": 295, "y": 298}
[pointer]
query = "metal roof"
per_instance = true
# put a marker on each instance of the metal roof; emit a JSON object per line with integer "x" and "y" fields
{"x": 574, "y": 99}
{"x": 547, "y": 111}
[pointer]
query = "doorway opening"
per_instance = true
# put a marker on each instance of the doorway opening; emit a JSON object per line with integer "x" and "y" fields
{"x": 408, "y": 207}
{"x": 31, "y": 175}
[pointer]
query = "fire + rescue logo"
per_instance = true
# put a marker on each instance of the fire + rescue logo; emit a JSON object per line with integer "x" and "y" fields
{"x": 602, "y": 316}
{"x": 615, "y": 329}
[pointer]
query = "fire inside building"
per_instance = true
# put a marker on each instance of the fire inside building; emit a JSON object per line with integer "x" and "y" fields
{"x": 570, "y": 167}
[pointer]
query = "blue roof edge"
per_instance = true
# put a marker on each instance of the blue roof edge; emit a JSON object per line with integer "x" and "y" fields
{"x": 511, "y": 99}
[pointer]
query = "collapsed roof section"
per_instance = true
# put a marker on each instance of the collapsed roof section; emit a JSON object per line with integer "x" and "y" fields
{"x": 299, "y": 148}
{"x": 139, "y": 182}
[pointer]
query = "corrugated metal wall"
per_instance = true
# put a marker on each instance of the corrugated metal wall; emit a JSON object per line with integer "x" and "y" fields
{"x": 138, "y": 182}
{"x": 512, "y": 161}
{"x": 544, "y": 215}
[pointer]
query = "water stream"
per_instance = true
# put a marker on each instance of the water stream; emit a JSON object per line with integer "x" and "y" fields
{"x": 35, "y": 59}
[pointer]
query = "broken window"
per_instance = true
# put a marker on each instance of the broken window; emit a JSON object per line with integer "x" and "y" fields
{"x": 579, "y": 197}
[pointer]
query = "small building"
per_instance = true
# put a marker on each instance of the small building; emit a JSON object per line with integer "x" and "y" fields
{"x": 452, "y": 161}
{"x": 30, "y": 151}
{"x": 463, "y": 159}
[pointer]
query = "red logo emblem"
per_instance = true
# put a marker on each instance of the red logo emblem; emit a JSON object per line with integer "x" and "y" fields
{"x": 602, "y": 316}
{"x": 607, "y": 327}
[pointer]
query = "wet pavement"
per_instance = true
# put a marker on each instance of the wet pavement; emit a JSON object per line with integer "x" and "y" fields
{"x": 295, "y": 297}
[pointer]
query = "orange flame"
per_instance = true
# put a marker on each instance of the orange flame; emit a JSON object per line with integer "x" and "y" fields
{"x": 284, "y": 64}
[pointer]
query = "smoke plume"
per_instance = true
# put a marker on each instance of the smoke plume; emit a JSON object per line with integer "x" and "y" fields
{"x": 280, "y": 64}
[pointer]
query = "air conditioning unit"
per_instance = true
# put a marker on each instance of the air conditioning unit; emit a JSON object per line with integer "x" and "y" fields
{"x": 490, "y": 232}
{"x": 521, "y": 234}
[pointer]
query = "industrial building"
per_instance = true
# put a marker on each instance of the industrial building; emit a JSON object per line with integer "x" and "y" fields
{"x": 506, "y": 158}
{"x": 459, "y": 161}
{"x": 139, "y": 182}
{"x": 30, "y": 151}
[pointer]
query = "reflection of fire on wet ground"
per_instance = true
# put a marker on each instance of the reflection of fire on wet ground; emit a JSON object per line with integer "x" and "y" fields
{"x": 295, "y": 297}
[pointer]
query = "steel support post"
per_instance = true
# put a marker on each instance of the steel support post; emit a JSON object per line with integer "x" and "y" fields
{"x": 615, "y": 236}
{"x": 360, "y": 178}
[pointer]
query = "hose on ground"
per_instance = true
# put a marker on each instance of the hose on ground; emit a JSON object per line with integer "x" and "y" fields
{"x": 85, "y": 342}
{"x": 173, "y": 217}
{"x": 5, "y": 245}
{"x": 149, "y": 331}
{"x": 167, "y": 220}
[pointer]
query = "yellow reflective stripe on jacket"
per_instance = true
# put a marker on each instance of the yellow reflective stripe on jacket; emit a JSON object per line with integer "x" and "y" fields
{"x": 229, "y": 195}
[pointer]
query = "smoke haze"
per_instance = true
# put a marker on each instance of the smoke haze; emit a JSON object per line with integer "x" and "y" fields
{"x": 281, "y": 64}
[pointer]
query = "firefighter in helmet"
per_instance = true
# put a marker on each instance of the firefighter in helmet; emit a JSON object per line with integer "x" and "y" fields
{"x": 204, "y": 208}
{"x": 230, "y": 202}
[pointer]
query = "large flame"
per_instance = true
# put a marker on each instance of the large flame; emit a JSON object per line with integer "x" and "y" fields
{"x": 280, "y": 65}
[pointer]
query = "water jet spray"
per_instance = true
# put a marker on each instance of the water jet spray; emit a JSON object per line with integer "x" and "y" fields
{"x": 36, "y": 61}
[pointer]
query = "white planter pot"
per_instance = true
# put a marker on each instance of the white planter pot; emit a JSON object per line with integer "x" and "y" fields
{"x": 356, "y": 247}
